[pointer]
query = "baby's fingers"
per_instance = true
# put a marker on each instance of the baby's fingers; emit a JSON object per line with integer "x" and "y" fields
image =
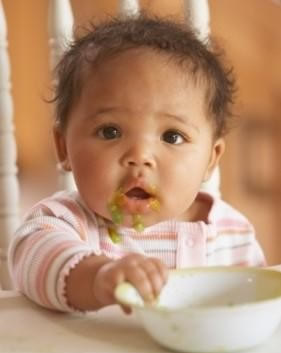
{"x": 162, "y": 269}
{"x": 148, "y": 277}
{"x": 139, "y": 279}
{"x": 156, "y": 275}
{"x": 126, "y": 309}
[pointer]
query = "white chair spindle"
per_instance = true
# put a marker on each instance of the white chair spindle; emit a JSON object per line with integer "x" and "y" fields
{"x": 129, "y": 7}
{"x": 60, "y": 27}
{"x": 9, "y": 188}
{"x": 198, "y": 15}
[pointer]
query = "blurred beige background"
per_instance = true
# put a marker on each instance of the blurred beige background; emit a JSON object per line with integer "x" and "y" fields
{"x": 249, "y": 30}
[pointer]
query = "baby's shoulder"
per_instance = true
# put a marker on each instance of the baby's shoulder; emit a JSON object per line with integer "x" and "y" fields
{"x": 222, "y": 214}
{"x": 63, "y": 210}
{"x": 62, "y": 205}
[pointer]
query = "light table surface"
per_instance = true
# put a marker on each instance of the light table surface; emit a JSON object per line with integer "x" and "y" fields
{"x": 27, "y": 328}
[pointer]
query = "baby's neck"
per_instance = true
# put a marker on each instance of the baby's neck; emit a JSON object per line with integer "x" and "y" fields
{"x": 199, "y": 210}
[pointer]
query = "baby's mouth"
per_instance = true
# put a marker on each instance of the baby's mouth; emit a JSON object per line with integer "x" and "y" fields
{"x": 136, "y": 202}
{"x": 138, "y": 193}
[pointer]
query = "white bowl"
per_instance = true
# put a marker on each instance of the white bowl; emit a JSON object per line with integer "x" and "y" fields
{"x": 211, "y": 309}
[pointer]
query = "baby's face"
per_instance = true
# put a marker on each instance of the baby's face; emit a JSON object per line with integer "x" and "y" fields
{"x": 139, "y": 137}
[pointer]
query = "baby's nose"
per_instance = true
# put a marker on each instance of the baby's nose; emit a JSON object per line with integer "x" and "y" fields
{"x": 138, "y": 156}
{"x": 133, "y": 162}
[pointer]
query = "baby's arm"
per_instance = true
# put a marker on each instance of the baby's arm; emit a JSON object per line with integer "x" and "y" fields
{"x": 55, "y": 259}
{"x": 91, "y": 284}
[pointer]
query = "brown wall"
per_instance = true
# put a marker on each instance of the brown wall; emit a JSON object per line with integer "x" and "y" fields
{"x": 251, "y": 34}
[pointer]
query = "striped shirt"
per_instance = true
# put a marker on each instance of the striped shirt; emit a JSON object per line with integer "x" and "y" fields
{"x": 60, "y": 231}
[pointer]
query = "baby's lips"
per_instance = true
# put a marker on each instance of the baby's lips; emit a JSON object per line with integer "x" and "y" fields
{"x": 135, "y": 206}
{"x": 136, "y": 200}
{"x": 137, "y": 193}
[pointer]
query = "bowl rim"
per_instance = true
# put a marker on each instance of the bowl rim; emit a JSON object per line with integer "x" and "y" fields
{"x": 124, "y": 286}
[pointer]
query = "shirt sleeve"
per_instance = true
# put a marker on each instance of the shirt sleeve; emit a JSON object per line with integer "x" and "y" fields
{"x": 52, "y": 240}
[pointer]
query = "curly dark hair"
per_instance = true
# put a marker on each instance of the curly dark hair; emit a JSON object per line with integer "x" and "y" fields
{"x": 176, "y": 39}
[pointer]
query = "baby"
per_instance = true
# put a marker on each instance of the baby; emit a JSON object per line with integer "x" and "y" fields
{"x": 142, "y": 108}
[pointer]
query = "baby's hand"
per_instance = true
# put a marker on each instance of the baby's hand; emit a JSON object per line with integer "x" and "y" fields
{"x": 148, "y": 275}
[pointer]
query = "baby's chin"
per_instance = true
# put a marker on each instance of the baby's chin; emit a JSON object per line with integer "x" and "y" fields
{"x": 140, "y": 221}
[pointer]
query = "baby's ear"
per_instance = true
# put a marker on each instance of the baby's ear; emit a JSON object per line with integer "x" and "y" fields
{"x": 61, "y": 149}
{"x": 216, "y": 154}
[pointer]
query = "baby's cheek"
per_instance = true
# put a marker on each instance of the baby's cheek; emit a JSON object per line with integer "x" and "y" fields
{"x": 96, "y": 200}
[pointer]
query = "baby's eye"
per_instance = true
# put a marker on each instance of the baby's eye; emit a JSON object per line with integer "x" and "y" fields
{"x": 109, "y": 132}
{"x": 173, "y": 137}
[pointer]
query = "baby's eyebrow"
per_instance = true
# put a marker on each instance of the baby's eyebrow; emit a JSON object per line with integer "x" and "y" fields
{"x": 115, "y": 109}
{"x": 103, "y": 111}
{"x": 182, "y": 119}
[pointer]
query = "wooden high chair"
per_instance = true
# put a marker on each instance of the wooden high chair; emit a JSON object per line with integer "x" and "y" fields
{"x": 60, "y": 23}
